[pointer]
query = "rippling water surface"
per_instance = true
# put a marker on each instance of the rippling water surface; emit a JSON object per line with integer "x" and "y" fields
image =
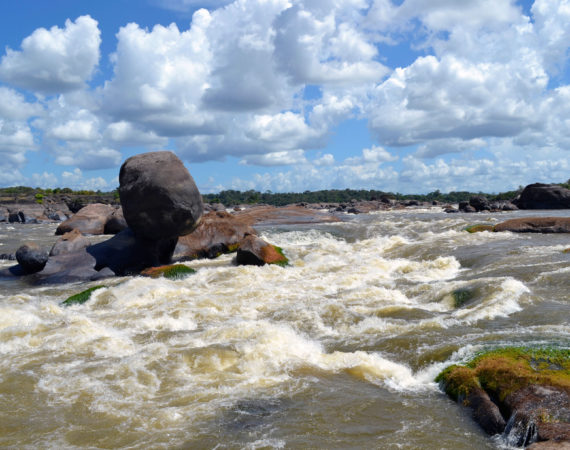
{"x": 338, "y": 350}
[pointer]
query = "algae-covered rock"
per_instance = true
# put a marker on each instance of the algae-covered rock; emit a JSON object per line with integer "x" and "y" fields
{"x": 82, "y": 297}
{"x": 462, "y": 296}
{"x": 523, "y": 391}
{"x": 172, "y": 271}
{"x": 478, "y": 227}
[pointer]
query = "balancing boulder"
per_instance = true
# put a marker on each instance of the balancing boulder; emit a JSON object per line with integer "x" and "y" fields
{"x": 159, "y": 197}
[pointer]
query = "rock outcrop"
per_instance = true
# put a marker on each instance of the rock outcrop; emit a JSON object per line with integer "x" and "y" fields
{"x": 535, "y": 225}
{"x": 523, "y": 393}
{"x": 219, "y": 232}
{"x": 92, "y": 219}
{"x": 543, "y": 196}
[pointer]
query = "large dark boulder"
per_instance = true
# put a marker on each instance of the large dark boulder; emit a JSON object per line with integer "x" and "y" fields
{"x": 31, "y": 258}
{"x": 480, "y": 203}
{"x": 89, "y": 220}
{"x": 543, "y": 196}
{"x": 159, "y": 197}
{"x": 219, "y": 232}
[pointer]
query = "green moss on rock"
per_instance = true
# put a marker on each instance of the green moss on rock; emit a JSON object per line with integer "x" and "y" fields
{"x": 82, "y": 297}
{"x": 506, "y": 370}
{"x": 172, "y": 272}
{"x": 478, "y": 228}
{"x": 284, "y": 261}
{"x": 461, "y": 296}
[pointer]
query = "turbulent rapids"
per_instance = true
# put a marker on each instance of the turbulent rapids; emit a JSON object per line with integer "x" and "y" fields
{"x": 337, "y": 350}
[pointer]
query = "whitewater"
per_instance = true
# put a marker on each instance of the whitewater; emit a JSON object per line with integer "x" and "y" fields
{"x": 337, "y": 350}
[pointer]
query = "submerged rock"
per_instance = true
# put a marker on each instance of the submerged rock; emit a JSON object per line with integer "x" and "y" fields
{"x": 82, "y": 297}
{"x": 171, "y": 271}
{"x": 522, "y": 392}
{"x": 478, "y": 228}
{"x": 255, "y": 251}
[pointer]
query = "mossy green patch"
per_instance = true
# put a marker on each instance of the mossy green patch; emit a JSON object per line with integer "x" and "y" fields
{"x": 172, "y": 272}
{"x": 462, "y": 296}
{"x": 82, "y": 297}
{"x": 566, "y": 250}
{"x": 233, "y": 247}
{"x": 506, "y": 370}
{"x": 478, "y": 228}
{"x": 285, "y": 261}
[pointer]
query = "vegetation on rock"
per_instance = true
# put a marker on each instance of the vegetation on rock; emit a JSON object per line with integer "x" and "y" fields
{"x": 505, "y": 370}
{"x": 82, "y": 297}
{"x": 478, "y": 227}
{"x": 172, "y": 272}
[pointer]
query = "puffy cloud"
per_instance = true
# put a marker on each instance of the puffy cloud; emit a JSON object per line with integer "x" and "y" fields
{"x": 276, "y": 158}
{"x": 76, "y": 180}
{"x": 13, "y": 106}
{"x": 54, "y": 60}
{"x": 374, "y": 155}
{"x": 89, "y": 158}
{"x": 126, "y": 133}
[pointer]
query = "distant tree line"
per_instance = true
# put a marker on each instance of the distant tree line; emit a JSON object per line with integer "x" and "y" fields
{"x": 233, "y": 197}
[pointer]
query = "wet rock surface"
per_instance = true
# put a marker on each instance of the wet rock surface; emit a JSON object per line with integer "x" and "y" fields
{"x": 254, "y": 251}
{"x": 522, "y": 393}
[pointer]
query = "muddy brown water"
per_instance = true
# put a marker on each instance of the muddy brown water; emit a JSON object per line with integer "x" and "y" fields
{"x": 338, "y": 350}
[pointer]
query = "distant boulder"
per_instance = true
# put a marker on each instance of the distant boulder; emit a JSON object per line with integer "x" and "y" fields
{"x": 31, "y": 258}
{"x": 543, "y": 196}
{"x": 89, "y": 220}
{"x": 159, "y": 197}
{"x": 480, "y": 203}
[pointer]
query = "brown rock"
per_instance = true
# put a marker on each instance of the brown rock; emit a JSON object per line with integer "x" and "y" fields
{"x": 254, "y": 251}
{"x": 218, "y": 232}
{"x": 70, "y": 242}
{"x": 536, "y": 225}
{"x": 270, "y": 215}
{"x": 88, "y": 220}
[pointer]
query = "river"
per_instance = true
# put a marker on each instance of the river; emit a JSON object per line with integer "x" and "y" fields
{"x": 337, "y": 350}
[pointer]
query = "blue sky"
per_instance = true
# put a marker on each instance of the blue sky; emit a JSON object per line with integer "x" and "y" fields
{"x": 404, "y": 96}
